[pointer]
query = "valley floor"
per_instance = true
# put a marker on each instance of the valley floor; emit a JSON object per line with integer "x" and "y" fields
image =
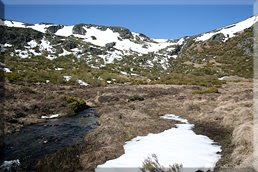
{"x": 126, "y": 111}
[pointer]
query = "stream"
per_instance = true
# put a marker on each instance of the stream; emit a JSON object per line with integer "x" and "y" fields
{"x": 33, "y": 142}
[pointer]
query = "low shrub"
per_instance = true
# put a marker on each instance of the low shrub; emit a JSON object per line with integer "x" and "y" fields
{"x": 139, "y": 82}
{"x": 135, "y": 98}
{"x": 75, "y": 104}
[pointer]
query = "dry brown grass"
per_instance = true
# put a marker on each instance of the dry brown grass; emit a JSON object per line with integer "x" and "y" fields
{"x": 225, "y": 117}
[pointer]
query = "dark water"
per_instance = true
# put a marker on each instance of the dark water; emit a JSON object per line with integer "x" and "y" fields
{"x": 35, "y": 141}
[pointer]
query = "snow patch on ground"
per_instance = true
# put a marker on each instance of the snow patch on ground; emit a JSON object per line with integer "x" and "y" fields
{"x": 51, "y": 57}
{"x": 59, "y": 68}
{"x": 111, "y": 56}
{"x": 174, "y": 56}
{"x": 223, "y": 78}
{"x": 22, "y": 54}
{"x": 34, "y": 52}
{"x": 67, "y": 78}
{"x": 7, "y": 70}
{"x": 9, "y": 165}
{"x": 176, "y": 145}
{"x": 81, "y": 82}
{"x": 50, "y": 117}
{"x": 174, "y": 118}
{"x": 7, "y": 45}
{"x": 123, "y": 73}
{"x": 65, "y": 53}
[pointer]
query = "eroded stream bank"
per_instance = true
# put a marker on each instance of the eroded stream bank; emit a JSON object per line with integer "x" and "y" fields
{"x": 34, "y": 142}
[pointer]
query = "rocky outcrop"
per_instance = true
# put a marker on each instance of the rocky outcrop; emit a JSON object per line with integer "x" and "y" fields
{"x": 217, "y": 38}
{"x": 110, "y": 45}
{"x": 53, "y": 29}
{"x": 176, "y": 50}
{"x": 18, "y": 36}
{"x": 144, "y": 36}
{"x": 123, "y": 32}
{"x": 95, "y": 51}
{"x": 70, "y": 45}
{"x": 78, "y": 29}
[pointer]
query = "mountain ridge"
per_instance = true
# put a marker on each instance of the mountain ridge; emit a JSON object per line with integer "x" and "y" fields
{"x": 122, "y": 27}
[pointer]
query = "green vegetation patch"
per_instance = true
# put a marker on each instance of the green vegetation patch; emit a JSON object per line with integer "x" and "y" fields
{"x": 76, "y": 104}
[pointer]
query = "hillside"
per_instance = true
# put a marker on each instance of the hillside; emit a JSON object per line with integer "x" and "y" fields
{"x": 99, "y": 55}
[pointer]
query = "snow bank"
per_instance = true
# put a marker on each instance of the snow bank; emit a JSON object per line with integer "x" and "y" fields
{"x": 176, "y": 145}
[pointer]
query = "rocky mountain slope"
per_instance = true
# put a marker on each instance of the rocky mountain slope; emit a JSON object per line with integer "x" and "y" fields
{"x": 89, "y": 54}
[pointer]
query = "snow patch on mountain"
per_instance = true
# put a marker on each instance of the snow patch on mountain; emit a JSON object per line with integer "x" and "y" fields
{"x": 12, "y": 23}
{"x": 40, "y": 27}
{"x": 231, "y": 30}
{"x": 99, "y": 37}
{"x": 22, "y": 53}
{"x": 45, "y": 45}
{"x": 32, "y": 44}
{"x": 65, "y": 31}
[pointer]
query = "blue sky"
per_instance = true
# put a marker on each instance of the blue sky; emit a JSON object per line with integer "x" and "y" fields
{"x": 157, "y": 21}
